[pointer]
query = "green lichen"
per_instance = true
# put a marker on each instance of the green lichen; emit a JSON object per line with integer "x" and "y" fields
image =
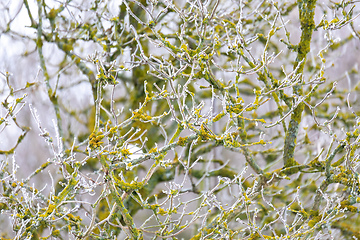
{"x": 95, "y": 140}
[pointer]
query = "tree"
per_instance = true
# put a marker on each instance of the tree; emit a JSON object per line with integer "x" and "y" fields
{"x": 180, "y": 119}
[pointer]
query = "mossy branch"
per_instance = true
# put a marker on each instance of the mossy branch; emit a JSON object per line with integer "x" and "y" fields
{"x": 306, "y": 15}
